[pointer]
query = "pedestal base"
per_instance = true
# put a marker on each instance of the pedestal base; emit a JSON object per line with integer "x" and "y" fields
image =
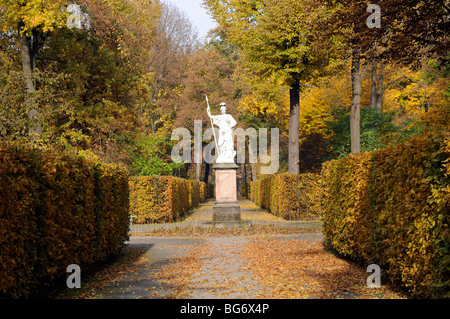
{"x": 226, "y": 207}
{"x": 226, "y": 212}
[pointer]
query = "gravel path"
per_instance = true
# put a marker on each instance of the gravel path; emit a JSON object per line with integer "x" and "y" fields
{"x": 191, "y": 264}
{"x": 221, "y": 273}
{"x": 196, "y": 267}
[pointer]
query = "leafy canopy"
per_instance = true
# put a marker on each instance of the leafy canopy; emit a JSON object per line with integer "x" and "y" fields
{"x": 47, "y": 15}
{"x": 276, "y": 36}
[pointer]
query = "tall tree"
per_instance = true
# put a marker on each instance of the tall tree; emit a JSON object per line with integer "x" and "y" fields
{"x": 355, "y": 112}
{"x": 406, "y": 32}
{"x": 208, "y": 73}
{"x": 278, "y": 40}
{"x": 33, "y": 20}
{"x": 88, "y": 81}
{"x": 176, "y": 40}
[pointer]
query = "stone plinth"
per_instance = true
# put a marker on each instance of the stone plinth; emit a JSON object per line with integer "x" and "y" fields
{"x": 226, "y": 208}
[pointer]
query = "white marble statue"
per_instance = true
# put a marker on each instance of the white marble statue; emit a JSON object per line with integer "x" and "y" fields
{"x": 225, "y": 143}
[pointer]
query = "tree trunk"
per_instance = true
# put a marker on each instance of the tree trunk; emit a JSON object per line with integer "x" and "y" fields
{"x": 294, "y": 126}
{"x": 377, "y": 89}
{"x": 202, "y": 171}
{"x": 374, "y": 86}
{"x": 198, "y": 169}
{"x": 28, "y": 50}
{"x": 243, "y": 172}
{"x": 254, "y": 167}
{"x": 355, "y": 138}
{"x": 27, "y": 64}
{"x": 188, "y": 167}
{"x": 242, "y": 179}
{"x": 206, "y": 176}
{"x": 380, "y": 89}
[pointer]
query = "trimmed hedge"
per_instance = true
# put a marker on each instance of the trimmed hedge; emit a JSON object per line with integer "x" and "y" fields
{"x": 392, "y": 207}
{"x": 56, "y": 210}
{"x": 194, "y": 193}
{"x": 203, "y": 192}
{"x": 287, "y": 195}
{"x": 162, "y": 199}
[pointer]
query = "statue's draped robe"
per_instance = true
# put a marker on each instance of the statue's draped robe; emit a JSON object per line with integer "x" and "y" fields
{"x": 225, "y": 142}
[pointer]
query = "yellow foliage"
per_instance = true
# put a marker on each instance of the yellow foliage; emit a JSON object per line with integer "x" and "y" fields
{"x": 56, "y": 210}
{"x": 391, "y": 207}
{"x": 249, "y": 104}
{"x": 47, "y": 15}
{"x": 287, "y": 195}
{"x": 410, "y": 91}
{"x": 406, "y": 92}
{"x": 162, "y": 198}
{"x": 203, "y": 192}
{"x": 194, "y": 193}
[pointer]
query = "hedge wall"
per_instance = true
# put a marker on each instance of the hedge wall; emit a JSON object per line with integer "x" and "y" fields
{"x": 392, "y": 207}
{"x": 203, "y": 192}
{"x": 194, "y": 193}
{"x": 158, "y": 199}
{"x": 56, "y": 210}
{"x": 290, "y": 196}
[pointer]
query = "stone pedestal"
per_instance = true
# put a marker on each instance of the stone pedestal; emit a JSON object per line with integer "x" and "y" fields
{"x": 226, "y": 208}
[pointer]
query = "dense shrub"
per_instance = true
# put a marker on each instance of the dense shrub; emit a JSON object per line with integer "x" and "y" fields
{"x": 194, "y": 193}
{"x": 157, "y": 199}
{"x": 391, "y": 207}
{"x": 287, "y": 195}
{"x": 56, "y": 210}
{"x": 203, "y": 191}
{"x": 147, "y": 156}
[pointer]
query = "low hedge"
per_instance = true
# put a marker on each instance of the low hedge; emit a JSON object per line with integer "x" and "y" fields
{"x": 194, "y": 193}
{"x": 162, "y": 199}
{"x": 293, "y": 197}
{"x": 392, "y": 207}
{"x": 203, "y": 192}
{"x": 56, "y": 210}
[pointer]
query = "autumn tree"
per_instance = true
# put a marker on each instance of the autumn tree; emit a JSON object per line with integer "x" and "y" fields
{"x": 208, "y": 74}
{"x": 105, "y": 64}
{"x": 32, "y": 20}
{"x": 410, "y": 31}
{"x": 278, "y": 40}
{"x": 175, "y": 41}
{"x": 406, "y": 31}
{"x": 89, "y": 79}
{"x": 413, "y": 29}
